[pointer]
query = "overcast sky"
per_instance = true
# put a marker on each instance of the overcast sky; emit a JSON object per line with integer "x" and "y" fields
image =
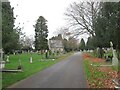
{"x": 28, "y": 12}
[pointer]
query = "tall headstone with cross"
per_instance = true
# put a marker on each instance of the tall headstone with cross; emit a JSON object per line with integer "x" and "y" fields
{"x": 114, "y": 59}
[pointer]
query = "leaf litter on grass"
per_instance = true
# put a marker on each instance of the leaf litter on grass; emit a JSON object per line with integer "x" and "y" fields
{"x": 101, "y": 77}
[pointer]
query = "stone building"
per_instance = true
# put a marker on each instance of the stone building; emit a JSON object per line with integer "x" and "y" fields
{"x": 56, "y": 45}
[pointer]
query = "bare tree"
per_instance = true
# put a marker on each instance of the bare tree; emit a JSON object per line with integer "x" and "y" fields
{"x": 72, "y": 43}
{"x": 64, "y": 31}
{"x": 27, "y": 41}
{"x": 81, "y": 17}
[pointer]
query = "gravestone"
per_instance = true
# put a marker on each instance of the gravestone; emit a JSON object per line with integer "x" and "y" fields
{"x": 53, "y": 59}
{"x": 91, "y": 50}
{"x": 84, "y": 51}
{"x": 7, "y": 60}
{"x": 31, "y": 60}
{"x": 2, "y": 63}
{"x": 114, "y": 59}
{"x": 1, "y": 55}
{"x": 20, "y": 65}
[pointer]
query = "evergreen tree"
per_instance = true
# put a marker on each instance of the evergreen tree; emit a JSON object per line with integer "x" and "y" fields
{"x": 118, "y": 32}
{"x": 65, "y": 44}
{"x": 41, "y": 34}
{"x": 118, "y": 26}
{"x": 72, "y": 44}
{"x": 90, "y": 43}
{"x": 106, "y": 25}
{"x": 82, "y": 44}
{"x": 10, "y": 36}
{"x": 0, "y": 25}
{"x": 59, "y": 37}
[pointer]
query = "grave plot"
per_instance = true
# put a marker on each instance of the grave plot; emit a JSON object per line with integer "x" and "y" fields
{"x": 99, "y": 76}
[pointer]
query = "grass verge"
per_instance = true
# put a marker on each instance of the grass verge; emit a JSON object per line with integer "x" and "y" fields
{"x": 29, "y": 69}
{"x": 93, "y": 75}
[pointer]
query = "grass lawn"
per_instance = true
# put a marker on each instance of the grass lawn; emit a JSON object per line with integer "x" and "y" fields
{"x": 99, "y": 76}
{"x": 94, "y": 76}
{"x": 28, "y": 69}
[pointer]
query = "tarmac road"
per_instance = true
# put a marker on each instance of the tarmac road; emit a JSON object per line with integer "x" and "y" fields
{"x": 68, "y": 73}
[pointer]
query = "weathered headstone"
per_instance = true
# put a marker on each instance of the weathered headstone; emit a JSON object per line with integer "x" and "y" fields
{"x": 20, "y": 65}
{"x": 91, "y": 51}
{"x": 114, "y": 59}
{"x": 84, "y": 51}
{"x": 2, "y": 63}
{"x": 31, "y": 60}
{"x": 53, "y": 59}
{"x": 1, "y": 55}
{"x": 7, "y": 60}
{"x": 88, "y": 51}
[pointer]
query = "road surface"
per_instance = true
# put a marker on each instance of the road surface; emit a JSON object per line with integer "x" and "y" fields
{"x": 68, "y": 73}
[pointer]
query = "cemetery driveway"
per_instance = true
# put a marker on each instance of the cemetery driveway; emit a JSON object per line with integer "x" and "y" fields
{"x": 68, "y": 73}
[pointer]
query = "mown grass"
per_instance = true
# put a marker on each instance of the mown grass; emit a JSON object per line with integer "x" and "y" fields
{"x": 94, "y": 75}
{"x": 87, "y": 70}
{"x": 91, "y": 71}
{"x": 28, "y": 69}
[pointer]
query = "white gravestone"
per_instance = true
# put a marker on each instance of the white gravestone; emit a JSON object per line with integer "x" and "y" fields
{"x": 20, "y": 62}
{"x": 53, "y": 59}
{"x": 31, "y": 60}
{"x": 7, "y": 60}
{"x": 1, "y": 55}
{"x": 2, "y": 63}
{"x": 114, "y": 59}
